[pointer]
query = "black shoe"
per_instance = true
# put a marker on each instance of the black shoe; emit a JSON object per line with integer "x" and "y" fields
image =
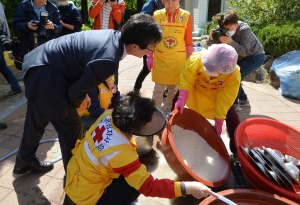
{"x": 165, "y": 95}
{"x": 12, "y": 94}
{"x": 35, "y": 166}
{"x": 3, "y": 126}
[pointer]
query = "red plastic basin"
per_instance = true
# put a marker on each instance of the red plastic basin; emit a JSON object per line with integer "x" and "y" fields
{"x": 191, "y": 120}
{"x": 248, "y": 197}
{"x": 263, "y": 132}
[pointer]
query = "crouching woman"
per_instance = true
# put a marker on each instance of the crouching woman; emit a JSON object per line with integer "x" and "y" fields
{"x": 105, "y": 168}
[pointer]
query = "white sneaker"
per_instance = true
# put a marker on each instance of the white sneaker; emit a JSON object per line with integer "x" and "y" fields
{"x": 237, "y": 107}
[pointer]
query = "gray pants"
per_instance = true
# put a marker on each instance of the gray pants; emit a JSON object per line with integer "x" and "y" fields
{"x": 158, "y": 95}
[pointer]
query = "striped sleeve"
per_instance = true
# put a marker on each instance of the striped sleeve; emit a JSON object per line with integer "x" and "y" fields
{"x": 136, "y": 175}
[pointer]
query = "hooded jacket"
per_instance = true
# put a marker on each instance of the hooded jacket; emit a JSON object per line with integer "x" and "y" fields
{"x": 209, "y": 96}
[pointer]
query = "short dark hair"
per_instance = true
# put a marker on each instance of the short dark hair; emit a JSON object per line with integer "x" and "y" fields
{"x": 230, "y": 18}
{"x": 141, "y": 29}
{"x": 132, "y": 111}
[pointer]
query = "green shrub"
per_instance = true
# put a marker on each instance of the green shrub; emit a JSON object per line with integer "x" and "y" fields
{"x": 280, "y": 38}
{"x": 86, "y": 27}
{"x": 210, "y": 26}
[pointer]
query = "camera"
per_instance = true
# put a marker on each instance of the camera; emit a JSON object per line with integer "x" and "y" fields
{"x": 15, "y": 47}
{"x": 3, "y": 38}
{"x": 42, "y": 32}
{"x": 220, "y": 31}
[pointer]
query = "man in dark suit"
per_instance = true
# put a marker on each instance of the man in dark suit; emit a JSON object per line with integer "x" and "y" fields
{"x": 58, "y": 75}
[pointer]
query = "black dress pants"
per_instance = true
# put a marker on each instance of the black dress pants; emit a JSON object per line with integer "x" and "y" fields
{"x": 47, "y": 102}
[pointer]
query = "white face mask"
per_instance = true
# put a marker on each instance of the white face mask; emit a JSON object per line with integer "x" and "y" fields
{"x": 210, "y": 73}
{"x": 231, "y": 33}
{"x": 63, "y": 3}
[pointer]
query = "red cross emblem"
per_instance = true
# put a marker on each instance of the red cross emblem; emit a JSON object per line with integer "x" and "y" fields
{"x": 170, "y": 41}
{"x": 98, "y": 137}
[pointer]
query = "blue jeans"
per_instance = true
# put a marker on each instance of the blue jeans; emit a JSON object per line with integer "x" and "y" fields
{"x": 248, "y": 65}
{"x": 7, "y": 73}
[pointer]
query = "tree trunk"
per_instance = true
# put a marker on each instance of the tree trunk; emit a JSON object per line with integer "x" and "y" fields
{"x": 84, "y": 11}
{"x": 139, "y": 5}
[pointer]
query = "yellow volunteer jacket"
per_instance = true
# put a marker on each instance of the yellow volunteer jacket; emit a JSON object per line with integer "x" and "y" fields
{"x": 170, "y": 53}
{"x": 209, "y": 96}
{"x": 105, "y": 94}
{"x": 87, "y": 178}
{"x": 103, "y": 155}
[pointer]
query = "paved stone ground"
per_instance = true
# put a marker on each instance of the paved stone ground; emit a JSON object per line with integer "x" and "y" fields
{"x": 46, "y": 189}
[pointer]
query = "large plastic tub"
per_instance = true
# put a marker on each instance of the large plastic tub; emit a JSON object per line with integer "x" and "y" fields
{"x": 191, "y": 120}
{"x": 263, "y": 132}
{"x": 247, "y": 197}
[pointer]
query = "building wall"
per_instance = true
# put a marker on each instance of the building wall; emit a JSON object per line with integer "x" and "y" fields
{"x": 199, "y": 11}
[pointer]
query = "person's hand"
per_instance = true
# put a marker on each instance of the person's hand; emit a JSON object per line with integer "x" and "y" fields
{"x": 210, "y": 34}
{"x": 189, "y": 51}
{"x": 49, "y": 25}
{"x": 32, "y": 26}
{"x": 226, "y": 39}
{"x": 218, "y": 126}
{"x": 182, "y": 98}
{"x": 197, "y": 189}
{"x": 82, "y": 107}
{"x": 150, "y": 61}
{"x": 86, "y": 103}
{"x": 102, "y": 1}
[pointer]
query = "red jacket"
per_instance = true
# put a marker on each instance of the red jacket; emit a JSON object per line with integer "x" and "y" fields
{"x": 116, "y": 14}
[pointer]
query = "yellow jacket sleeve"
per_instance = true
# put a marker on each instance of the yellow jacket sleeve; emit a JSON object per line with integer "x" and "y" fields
{"x": 189, "y": 75}
{"x": 227, "y": 95}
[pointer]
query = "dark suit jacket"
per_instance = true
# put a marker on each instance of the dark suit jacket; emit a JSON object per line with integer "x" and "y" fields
{"x": 79, "y": 62}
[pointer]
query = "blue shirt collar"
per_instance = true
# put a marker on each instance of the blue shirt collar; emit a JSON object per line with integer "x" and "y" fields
{"x": 38, "y": 10}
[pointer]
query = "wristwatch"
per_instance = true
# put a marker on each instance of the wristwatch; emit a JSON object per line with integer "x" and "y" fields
{"x": 183, "y": 189}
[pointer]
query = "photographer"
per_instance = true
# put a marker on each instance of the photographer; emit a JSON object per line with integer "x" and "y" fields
{"x": 250, "y": 51}
{"x": 108, "y": 14}
{"x": 70, "y": 17}
{"x": 36, "y": 27}
{"x": 4, "y": 69}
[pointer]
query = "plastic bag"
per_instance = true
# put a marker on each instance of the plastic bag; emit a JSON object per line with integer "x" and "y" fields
{"x": 287, "y": 68}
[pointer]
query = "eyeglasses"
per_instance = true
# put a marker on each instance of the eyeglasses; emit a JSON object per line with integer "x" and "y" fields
{"x": 150, "y": 49}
